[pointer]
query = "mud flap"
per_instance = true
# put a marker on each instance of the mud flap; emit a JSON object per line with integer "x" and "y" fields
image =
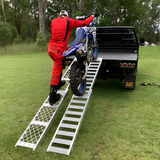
{"x": 130, "y": 79}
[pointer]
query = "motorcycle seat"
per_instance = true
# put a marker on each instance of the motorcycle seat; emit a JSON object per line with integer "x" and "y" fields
{"x": 79, "y": 37}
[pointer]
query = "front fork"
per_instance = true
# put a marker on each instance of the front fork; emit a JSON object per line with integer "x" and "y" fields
{"x": 86, "y": 63}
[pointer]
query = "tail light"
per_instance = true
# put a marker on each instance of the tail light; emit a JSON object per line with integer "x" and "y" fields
{"x": 80, "y": 53}
{"x": 67, "y": 63}
{"x": 127, "y": 65}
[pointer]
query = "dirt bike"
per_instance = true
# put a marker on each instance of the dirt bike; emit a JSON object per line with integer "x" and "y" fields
{"x": 85, "y": 49}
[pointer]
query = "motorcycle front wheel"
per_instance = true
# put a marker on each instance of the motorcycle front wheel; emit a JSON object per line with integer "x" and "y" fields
{"x": 77, "y": 84}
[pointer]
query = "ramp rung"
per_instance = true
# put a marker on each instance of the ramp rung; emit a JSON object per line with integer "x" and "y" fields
{"x": 87, "y": 86}
{"x": 65, "y": 133}
{"x": 81, "y": 97}
{"x": 39, "y": 123}
{"x": 58, "y": 150}
{"x": 25, "y": 144}
{"x": 92, "y": 69}
{"x": 66, "y": 79}
{"x": 72, "y": 115}
{"x": 86, "y": 91}
{"x": 95, "y": 62}
{"x": 93, "y": 73}
{"x": 62, "y": 141}
{"x": 90, "y": 76}
{"x": 89, "y": 83}
{"x": 75, "y": 107}
{"x": 72, "y": 126}
{"x": 79, "y": 102}
{"x": 89, "y": 79}
{"x": 71, "y": 119}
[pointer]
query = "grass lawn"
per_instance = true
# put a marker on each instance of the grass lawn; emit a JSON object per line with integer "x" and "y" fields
{"x": 119, "y": 124}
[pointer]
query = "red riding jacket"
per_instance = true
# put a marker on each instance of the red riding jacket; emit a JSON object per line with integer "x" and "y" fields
{"x": 61, "y": 29}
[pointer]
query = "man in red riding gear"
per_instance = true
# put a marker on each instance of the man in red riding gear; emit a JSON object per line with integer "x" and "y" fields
{"x": 61, "y": 28}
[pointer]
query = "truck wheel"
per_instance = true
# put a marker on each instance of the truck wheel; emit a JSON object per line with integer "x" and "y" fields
{"x": 78, "y": 85}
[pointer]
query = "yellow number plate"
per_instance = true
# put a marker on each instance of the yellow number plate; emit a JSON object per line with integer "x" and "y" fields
{"x": 129, "y": 84}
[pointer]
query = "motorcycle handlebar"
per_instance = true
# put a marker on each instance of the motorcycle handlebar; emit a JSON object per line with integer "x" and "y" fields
{"x": 82, "y": 17}
{"x": 85, "y": 17}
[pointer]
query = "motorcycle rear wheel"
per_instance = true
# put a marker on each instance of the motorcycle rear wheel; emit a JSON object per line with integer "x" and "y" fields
{"x": 77, "y": 84}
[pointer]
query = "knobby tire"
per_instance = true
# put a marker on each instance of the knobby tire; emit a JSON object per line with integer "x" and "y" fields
{"x": 77, "y": 85}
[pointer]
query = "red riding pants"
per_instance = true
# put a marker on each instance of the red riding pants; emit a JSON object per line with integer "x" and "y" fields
{"x": 56, "y": 54}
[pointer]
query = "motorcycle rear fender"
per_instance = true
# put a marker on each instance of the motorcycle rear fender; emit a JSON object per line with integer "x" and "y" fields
{"x": 69, "y": 50}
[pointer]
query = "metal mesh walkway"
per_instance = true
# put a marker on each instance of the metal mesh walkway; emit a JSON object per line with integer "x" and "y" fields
{"x": 44, "y": 117}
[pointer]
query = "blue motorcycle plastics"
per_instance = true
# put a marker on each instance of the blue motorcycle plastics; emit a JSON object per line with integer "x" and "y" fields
{"x": 96, "y": 52}
{"x": 85, "y": 34}
{"x": 91, "y": 24}
{"x": 79, "y": 37}
{"x": 71, "y": 49}
{"x": 84, "y": 37}
{"x": 76, "y": 44}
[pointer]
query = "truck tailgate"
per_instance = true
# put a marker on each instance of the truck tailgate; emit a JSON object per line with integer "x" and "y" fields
{"x": 118, "y": 56}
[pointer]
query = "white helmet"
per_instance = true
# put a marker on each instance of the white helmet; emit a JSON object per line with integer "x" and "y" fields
{"x": 63, "y": 12}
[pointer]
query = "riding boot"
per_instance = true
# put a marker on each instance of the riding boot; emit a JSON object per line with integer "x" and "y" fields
{"x": 53, "y": 96}
{"x": 61, "y": 83}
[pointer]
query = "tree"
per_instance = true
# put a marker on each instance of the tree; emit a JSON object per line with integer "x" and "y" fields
{"x": 6, "y": 35}
{"x": 32, "y": 16}
{"x": 155, "y": 17}
{"x": 17, "y": 14}
{"x": 80, "y": 5}
{"x": 19, "y": 10}
{"x": 42, "y": 12}
{"x": 3, "y": 11}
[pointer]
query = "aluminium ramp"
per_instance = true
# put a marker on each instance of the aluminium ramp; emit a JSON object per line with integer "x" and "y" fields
{"x": 42, "y": 120}
{"x": 65, "y": 135}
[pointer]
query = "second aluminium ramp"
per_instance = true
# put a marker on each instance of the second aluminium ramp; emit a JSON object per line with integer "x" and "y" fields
{"x": 65, "y": 135}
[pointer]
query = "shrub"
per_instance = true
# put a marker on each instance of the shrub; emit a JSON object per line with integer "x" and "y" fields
{"x": 104, "y": 22}
{"x": 17, "y": 40}
{"x": 28, "y": 40}
{"x": 14, "y": 32}
{"x": 48, "y": 37}
{"x": 40, "y": 40}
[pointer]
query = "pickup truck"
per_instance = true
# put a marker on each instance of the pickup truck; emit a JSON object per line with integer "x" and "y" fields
{"x": 118, "y": 46}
